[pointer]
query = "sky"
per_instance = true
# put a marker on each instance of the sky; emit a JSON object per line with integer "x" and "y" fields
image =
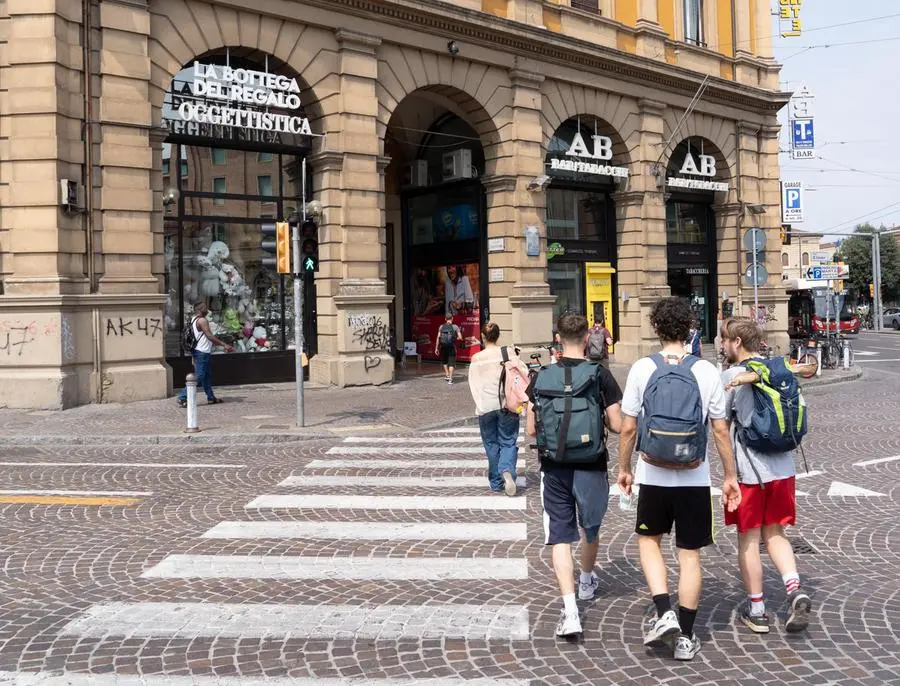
{"x": 856, "y": 95}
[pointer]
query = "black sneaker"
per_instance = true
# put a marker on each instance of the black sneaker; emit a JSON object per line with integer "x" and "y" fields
{"x": 800, "y": 609}
{"x": 758, "y": 624}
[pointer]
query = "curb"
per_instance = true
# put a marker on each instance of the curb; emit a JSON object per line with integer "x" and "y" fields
{"x": 222, "y": 439}
{"x": 855, "y": 373}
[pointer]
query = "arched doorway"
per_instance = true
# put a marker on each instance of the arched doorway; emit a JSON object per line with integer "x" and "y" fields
{"x": 231, "y": 168}
{"x": 436, "y": 223}
{"x": 695, "y": 174}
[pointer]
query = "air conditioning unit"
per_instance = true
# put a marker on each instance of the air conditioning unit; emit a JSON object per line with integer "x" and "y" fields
{"x": 71, "y": 195}
{"x": 458, "y": 165}
{"x": 415, "y": 174}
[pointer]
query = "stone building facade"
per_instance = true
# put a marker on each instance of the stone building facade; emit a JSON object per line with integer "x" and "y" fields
{"x": 489, "y": 157}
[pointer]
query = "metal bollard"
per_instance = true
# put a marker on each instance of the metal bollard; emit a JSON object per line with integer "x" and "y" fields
{"x": 819, "y": 361}
{"x": 846, "y": 355}
{"x": 190, "y": 384}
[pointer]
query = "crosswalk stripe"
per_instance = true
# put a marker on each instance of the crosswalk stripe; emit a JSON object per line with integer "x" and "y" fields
{"x": 78, "y": 493}
{"x": 392, "y": 481}
{"x": 342, "y": 568}
{"x": 371, "y": 531}
{"x": 400, "y": 450}
{"x": 415, "y": 440}
{"x": 463, "y": 430}
{"x": 403, "y": 464}
{"x": 380, "y": 502}
{"x": 85, "y": 679}
{"x": 277, "y": 621}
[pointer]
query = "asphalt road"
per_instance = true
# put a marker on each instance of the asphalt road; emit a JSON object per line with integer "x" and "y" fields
{"x": 878, "y": 352}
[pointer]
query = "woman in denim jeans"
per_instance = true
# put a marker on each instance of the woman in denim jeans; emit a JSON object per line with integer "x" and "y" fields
{"x": 499, "y": 429}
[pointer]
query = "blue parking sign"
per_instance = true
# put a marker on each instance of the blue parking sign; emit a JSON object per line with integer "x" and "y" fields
{"x": 802, "y": 134}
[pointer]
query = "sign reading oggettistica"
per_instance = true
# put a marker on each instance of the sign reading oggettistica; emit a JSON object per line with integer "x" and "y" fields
{"x": 241, "y": 98}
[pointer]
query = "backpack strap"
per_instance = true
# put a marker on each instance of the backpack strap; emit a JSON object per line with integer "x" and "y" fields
{"x": 567, "y": 413}
{"x": 658, "y": 360}
{"x": 505, "y": 354}
{"x": 689, "y": 360}
{"x": 502, "y": 385}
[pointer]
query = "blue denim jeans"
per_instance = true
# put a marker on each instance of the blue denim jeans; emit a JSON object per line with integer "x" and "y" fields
{"x": 201, "y": 371}
{"x": 500, "y": 434}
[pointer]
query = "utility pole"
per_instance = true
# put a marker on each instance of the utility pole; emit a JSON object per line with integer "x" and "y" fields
{"x": 298, "y": 297}
{"x": 876, "y": 281}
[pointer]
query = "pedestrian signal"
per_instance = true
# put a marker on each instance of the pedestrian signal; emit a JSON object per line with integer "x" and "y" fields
{"x": 309, "y": 249}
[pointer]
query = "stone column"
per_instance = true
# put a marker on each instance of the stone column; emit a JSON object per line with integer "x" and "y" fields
{"x": 526, "y": 11}
{"x": 770, "y": 197}
{"x": 641, "y": 228}
{"x": 520, "y": 300}
{"x": 727, "y": 256}
{"x": 651, "y": 37}
{"x": 352, "y": 302}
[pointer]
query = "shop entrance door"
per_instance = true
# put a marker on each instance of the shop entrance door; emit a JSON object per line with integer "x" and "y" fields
{"x": 697, "y": 289}
{"x": 599, "y": 290}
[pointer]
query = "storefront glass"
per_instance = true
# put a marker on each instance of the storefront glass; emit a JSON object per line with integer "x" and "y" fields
{"x": 686, "y": 283}
{"x": 566, "y": 280}
{"x": 577, "y": 215}
{"x": 687, "y": 223}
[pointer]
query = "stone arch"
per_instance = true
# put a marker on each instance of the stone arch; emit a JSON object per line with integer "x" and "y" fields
{"x": 698, "y": 145}
{"x": 715, "y": 134}
{"x": 617, "y": 114}
{"x": 182, "y": 31}
{"x": 477, "y": 93}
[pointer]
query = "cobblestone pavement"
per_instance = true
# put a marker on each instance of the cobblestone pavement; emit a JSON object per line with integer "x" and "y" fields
{"x": 313, "y": 563}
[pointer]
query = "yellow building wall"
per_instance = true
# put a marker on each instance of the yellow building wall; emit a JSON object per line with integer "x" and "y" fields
{"x": 495, "y": 7}
{"x": 753, "y": 43}
{"x": 725, "y": 22}
{"x": 626, "y": 11}
{"x": 665, "y": 11}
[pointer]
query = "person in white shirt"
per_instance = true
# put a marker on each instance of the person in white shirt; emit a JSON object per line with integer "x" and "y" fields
{"x": 670, "y": 495}
{"x": 202, "y": 354}
{"x": 458, "y": 296}
{"x": 499, "y": 429}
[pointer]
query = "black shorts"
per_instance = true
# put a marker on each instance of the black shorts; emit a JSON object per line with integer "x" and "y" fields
{"x": 689, "y": 508}
{"x": 448, "y": 355}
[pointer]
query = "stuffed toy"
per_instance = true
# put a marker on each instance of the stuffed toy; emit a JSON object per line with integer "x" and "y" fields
{"x": 218, "y": 252}
{"x": 230, "y": 320}
{"x": 208, "y": 277}
{"x": 232, "y": 281}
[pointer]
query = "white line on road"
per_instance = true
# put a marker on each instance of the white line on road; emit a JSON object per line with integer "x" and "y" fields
{"x": 808, "y": 475}
{"x": 160, "y": 465}
{"x": 337, "y": 568}
{"x": 85, "y": 679}
{"x": 880, "y": 460}
{"x": 841, "y": 489}
{"x": 893, "y": 359}
{"x": 864, "y": 353}
{"x": 392, "y": 481}
{"x": 89, "y": 493}
{"x": 416, "y": 440}
{"x": 402, "y": 450}
{"x": 403, "y": 464}
{"x": 370, "y": 531}
{"x": 381, "y": 502}
{"x": 276, "y": 621}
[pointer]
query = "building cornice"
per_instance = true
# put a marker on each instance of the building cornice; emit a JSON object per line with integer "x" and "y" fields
{"x": 486, "y": 30}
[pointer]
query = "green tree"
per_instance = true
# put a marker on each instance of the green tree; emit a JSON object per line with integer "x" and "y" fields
{"x": 856, "y": 252}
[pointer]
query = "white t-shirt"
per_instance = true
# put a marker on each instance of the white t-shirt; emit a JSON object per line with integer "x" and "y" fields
{"x": 739, "y": 406}
{"x": 712, "y": 395}
{"x": 204, "y": 345}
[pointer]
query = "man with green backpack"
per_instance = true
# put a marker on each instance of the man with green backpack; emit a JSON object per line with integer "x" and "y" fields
{"x": 571, "y": 404}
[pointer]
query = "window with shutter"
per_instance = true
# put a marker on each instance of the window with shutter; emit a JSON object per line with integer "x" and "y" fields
{"x": 587, "y": 5}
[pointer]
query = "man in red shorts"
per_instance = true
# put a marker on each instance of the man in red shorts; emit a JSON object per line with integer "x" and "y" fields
{"x": 767, "y": 491}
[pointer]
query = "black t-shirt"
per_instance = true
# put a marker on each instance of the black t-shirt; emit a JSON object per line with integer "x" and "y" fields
{"x": 608, "y": 391}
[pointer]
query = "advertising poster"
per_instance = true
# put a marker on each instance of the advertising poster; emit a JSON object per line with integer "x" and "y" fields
{"x": 435, "y": 291}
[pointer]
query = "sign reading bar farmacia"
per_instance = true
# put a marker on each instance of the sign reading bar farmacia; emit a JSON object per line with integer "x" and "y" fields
{"x": 233, "y": 88}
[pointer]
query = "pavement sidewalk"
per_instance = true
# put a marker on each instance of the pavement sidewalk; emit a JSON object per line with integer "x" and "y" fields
{"x": 265, "y": 413}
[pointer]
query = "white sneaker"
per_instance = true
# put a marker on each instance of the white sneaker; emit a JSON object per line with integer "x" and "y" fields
{"x": 686, "y": 648}
{"x": 509, "y": 484}
{"x": 450, "y": 379}
{"x": 662, "y": 631}
{"x": 586, "y": 591}
{"x": 568, "y": 625}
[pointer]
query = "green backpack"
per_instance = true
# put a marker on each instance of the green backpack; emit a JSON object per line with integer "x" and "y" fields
{"x": 569, "y": 413}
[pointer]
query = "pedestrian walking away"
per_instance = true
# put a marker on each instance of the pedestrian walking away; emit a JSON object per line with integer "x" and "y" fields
{"x": 200, "y": 341}
{"x": 498, "y": 412}
{"x": 668, "y": 399}
{"x": 447, "y": 337}
{"x": 766, "y": 477}
{"x": 571, "y": 404}
{"x": 599, "y": 342}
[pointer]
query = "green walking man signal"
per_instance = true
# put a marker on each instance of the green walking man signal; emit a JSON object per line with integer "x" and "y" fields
{"x": 309, "y": 250}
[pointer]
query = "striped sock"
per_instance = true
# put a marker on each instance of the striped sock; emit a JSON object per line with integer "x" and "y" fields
{"x": 791, "y": 581}
{"x": 757, "y": 605}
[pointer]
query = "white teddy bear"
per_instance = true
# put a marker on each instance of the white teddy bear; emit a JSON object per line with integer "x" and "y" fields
{"x": 231, "y": 280}
{"x": 208, "y": 277}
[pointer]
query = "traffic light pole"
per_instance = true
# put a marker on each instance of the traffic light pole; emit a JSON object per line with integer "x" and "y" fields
{"x": 298, "y": 300}
{"x": 877, "y": 315}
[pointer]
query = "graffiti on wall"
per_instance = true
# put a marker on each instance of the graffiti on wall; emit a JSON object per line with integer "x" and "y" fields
{"x": 372, "y": 333}
{"x": 148, "y": 326}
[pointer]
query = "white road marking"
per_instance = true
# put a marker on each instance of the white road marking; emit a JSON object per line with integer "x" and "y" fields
{"x": 371, "y": 531}
{"x": 893, "y": 359}
{"x": 403, "y": 464}
{"x": 392, "y": 481}
{"x": 808, "y": 475}
{"x": 864, "y": 353}
{"x": 341, "y": 568}
{"x": 414, "y": 440}
{"x": 88, "y": 493}
{"x": 402, "y": 450}
{"x": 155, "y": 465}
{"x": 276, "y": 621}
{"x": 880, "y": 460}
{"x": 381, "y": 502}
{"x": 86, "y": 679}
{"x": 841, "y": 489}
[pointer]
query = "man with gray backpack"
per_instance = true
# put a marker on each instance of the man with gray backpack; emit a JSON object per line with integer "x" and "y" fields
{"x": 571, "y": 403}
{"x": 668, "y": 399}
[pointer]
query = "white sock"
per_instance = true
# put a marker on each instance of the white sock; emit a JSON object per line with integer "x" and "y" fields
{"x": 587, "y": 577}
{"x": 571, "y": 605}
{"x": 791, "y": 581}
{"x": 757, "y": 605}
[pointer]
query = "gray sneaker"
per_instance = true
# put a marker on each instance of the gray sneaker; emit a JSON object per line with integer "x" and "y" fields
{"x": 686, "y": 648}
{"x": 758, "y": 624}
{"x": 800, "y": 608}
{"x": 662, "y": 631}
{"x": 587, "y": 591}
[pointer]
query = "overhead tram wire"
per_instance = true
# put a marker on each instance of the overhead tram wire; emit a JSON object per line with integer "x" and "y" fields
{"x": 862, "y": 216}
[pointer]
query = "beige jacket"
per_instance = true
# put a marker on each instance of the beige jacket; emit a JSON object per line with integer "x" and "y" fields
{"x": 484, "y": 377}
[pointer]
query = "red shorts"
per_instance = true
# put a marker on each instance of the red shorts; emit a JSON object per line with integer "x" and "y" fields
{"x": 774, "y": 504}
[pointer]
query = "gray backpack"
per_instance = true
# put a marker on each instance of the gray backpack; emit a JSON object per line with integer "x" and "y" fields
{"x": 596, "y": 345}
{"x": 671, "y": 430}
{"x": 569, "y": 413}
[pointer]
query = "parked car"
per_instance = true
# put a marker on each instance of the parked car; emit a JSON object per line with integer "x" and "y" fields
{"x": 892, "y": 318}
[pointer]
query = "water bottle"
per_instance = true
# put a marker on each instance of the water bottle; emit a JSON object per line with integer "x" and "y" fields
{"x": 628, "y": 503}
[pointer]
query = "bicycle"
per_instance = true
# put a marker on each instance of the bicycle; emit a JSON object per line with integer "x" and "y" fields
{"x": 804, "y": 355}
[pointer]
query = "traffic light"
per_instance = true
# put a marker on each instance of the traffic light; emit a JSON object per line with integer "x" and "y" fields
{"x": 785, "y": 234}
{"x": 309, "y": 248}
{"x": 871, "y": 290}
{"x": 277, "y": 243}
